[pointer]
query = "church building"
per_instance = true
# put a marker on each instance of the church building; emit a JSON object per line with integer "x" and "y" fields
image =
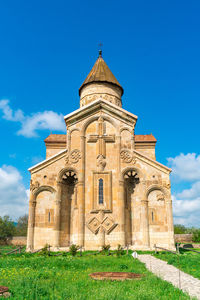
{"x": 100, "y": 183}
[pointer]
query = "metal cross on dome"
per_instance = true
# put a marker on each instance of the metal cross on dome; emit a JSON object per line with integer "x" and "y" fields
{"x": 100, "y": 49}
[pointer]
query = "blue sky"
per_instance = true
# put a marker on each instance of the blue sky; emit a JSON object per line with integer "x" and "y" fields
{"x": 48, "y": 48}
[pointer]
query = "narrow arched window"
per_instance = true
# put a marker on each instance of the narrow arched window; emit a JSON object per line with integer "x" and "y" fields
{"x": 152, "y": 216}
{"x": 49, "y": 217}
{"x": 100, "y": 191}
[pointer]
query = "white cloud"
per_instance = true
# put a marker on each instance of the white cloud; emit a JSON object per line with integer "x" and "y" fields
{"x": 186, "y": 212}
{"x": 186, "y": 204}
{"x": 9, "y": 114}
{"x": 13, "y": 194}
{"x": 185, "y": 167}
{"x": 192, "y": 193}
{"x": 31, "y": 124}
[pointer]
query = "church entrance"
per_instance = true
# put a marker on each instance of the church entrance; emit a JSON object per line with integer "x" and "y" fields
{"x": 131, "y": 179}
{"x": 68, "y": 207}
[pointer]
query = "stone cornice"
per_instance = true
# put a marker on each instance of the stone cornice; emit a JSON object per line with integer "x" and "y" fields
{"x": 47, "y": 162}
{"x": 95, "y": 106}
{"x": 152, "y": 162}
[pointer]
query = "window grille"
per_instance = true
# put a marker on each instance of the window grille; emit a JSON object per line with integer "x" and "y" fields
{"x": 49, "y": 217}
{"x": 100, "y": 191}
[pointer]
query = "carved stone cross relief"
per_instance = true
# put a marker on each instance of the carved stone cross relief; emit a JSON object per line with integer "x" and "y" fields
{"x": 101, "y": 139}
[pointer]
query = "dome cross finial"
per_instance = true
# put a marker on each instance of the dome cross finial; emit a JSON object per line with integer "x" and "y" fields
{"x": 100, "y": 49}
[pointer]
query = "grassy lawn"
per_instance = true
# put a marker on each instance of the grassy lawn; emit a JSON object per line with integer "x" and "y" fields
{"x": 31, "y": 276}
{"x": 188, "y": 262}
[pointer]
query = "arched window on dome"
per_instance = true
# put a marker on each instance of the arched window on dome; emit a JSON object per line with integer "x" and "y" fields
{"x": 100, "y": 191}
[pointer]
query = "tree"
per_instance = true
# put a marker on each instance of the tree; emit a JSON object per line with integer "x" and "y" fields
{"x": 22, "y": 224}
{"x": 7, "y": 228}
{"x": 179, "y": 229}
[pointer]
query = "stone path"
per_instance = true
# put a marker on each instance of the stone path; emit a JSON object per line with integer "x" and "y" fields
{"x": 187, "y": 284}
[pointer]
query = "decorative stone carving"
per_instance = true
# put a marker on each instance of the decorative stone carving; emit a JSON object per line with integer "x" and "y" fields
{"x": 73, "y": 157}
{"x": 127, "y": 156}
{"x": 160, "y": 196}
{"x": 101, "y": 162}
{"x": 34, "y": 186}
{"x": 101, "y": 222}
{"x": 167, "y": 185}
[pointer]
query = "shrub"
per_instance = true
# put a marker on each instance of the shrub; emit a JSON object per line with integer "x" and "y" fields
{"x": 73, "y": 249}
{"x": 105, "y": 247}
{"x": 45, "y": 250}
{"x": 7, "y": 229}
{"x": 196, "y": 236}
{"x": 119, "y": 250}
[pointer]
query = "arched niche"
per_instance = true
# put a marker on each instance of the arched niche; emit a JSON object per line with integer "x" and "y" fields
{"x": 126, "y": 138}
{"x": 156, "y": 197}
{"x": 68, "y": 181}
{"x": 44, "y": 216}
{"x": 75, "y": 139}
{"x": 131, "y": 181}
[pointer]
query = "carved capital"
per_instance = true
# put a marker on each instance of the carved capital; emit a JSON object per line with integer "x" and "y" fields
{"x": 32, "y": 203}
{"x": 34, "y": 186}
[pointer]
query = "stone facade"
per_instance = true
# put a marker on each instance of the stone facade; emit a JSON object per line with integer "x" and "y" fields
{"x": 100, "y": 183}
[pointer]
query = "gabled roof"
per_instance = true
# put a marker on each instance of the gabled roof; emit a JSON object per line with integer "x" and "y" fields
{"x": 100, "y": 104}
{"x": 100, "y": 73}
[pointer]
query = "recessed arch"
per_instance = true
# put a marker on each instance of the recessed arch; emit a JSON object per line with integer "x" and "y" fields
{"x": 125, "y": 128}
{"x": 95, "y": 118}
{"x": 64, "y": 170}
{"x": 155, "y": 187}
{"x": 133, "y": 168}
{"x": 44, "y": 188}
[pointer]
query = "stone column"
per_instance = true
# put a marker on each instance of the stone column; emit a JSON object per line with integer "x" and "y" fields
{"x": 57, "y": 216}
{"x": 121, "y": 214}
{"x": 170, "y": 224}
{"x": 81, "y": 196}
{"x": 31, "y": 222}
{"x": 145, "y": 222}
{"x": 81, "y": 212}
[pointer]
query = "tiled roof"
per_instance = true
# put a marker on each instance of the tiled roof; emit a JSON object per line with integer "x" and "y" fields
{"x": 100, "y": 73}
{"x": 145, "y": 138}
{"x": 61, "y": 138}
{"x": 56, "y": 138}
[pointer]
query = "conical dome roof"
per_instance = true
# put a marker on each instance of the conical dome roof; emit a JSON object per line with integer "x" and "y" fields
{"x": 100, "y": 73}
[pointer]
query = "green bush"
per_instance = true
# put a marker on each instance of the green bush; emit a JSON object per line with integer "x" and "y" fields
{"x": 196, "y": 236}
{"x": 105, "y": 248}
{"x": 73, "y": 249}
{"x": 7, "y": 229}
{"x": 119, "y": 250}
{"x": 45, "y": 250}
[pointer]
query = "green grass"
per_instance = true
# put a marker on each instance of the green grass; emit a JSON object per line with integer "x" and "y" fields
{"x": 186, "y": 261}
{"x": 31, "y": 276}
